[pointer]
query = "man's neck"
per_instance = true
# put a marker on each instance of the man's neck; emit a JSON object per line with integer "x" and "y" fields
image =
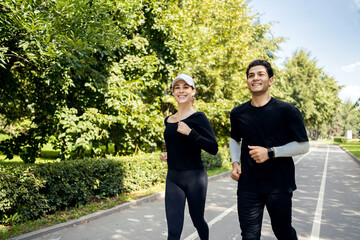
{"x": 260, "y": 100}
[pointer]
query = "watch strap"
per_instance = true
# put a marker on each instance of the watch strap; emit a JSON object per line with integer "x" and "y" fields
{"x": 271, "y": 153}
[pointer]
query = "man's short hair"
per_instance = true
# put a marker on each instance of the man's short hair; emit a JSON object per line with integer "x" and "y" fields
{"x": 262, "y": 62}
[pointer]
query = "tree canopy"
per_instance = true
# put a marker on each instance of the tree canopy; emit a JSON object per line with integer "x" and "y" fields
{"x": 84, "y": 74}
{"x": 311, "y": 90}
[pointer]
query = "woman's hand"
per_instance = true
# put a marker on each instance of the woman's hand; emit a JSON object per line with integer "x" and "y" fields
{"x": 163, "y": 156}
{"x": 183, "y": 128}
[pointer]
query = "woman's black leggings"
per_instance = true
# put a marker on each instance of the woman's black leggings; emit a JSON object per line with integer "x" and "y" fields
{"x": 190, "y": 185}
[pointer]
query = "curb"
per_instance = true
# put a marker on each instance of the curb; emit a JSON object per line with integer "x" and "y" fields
{"x": 356, "y": 159}
{"x": 102, "y": 213}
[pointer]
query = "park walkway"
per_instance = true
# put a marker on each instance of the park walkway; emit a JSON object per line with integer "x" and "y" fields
{"x": 326, "y": 206}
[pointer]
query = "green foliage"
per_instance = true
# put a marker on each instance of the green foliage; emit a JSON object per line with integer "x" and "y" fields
{"x": 133, "y": 124}
{"x": 220, "y": 44}
{"x": 353, "y": 147}
{"x": 89, "y": 74}
{"x": 33, "y": 191}
{"x": 54, "y": 54}
{"x": 313, "y": 92}
{"x": 346, "y": 118}
{"x": 20, "y": 196}
{"x": 341, "y": 139}
{"x": 142, "y": 171}
{"x": 28, "y": 192}
{"x": 71, "y": 183}
{"x": 220, "y": 38}
{"x": 3, "y": 136}
{"x": 217, "y": 161}
{"x": 56, "y": 60}
{"x": 77, "y": 135}
{"x": 93, "y": 73}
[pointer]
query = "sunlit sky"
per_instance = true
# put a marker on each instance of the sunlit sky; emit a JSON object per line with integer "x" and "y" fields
{"x": 328, "y": 29}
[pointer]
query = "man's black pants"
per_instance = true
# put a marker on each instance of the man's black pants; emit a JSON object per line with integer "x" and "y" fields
{"x": 251, "y": 210}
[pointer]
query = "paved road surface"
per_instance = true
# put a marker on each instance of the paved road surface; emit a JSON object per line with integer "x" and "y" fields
{"x": 326, "y": 206}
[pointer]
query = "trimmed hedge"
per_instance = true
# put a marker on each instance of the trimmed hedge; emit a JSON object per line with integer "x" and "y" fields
{"x": 20, "y": 197}
{"x": 341, "y": 139}
{"x": 31, "y": 191}
{"x": 142, "y": 171}
{"x": 72, "y": 183}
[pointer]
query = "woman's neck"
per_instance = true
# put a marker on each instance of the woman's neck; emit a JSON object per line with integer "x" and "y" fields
{"x": 185, "y": 110}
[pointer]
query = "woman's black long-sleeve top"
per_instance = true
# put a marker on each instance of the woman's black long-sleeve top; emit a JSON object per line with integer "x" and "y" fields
{"x": 184, "y": 152}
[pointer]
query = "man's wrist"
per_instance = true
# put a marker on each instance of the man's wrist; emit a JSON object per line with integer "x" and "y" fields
{"x": 235, "y": 164}
{"x": 271, "y": 153}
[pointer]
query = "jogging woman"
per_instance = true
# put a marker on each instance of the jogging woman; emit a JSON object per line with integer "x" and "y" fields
{"x": 186, "y": 133}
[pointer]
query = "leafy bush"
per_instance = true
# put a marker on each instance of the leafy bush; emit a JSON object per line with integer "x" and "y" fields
{"x": 72, "y": 183}
{"x": 31, "y": 191}
{"x": 142, "y": 171}
{"x": 340, "y": 139}
{"x": 20, "y": 194}
{"x": 211, "y": 161}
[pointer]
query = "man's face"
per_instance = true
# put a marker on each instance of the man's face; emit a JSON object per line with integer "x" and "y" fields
{"x": 258, "y": 80}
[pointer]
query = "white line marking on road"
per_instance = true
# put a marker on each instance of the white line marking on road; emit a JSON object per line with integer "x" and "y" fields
{"x": 302, "y": 157}
{"x": 195, "y": 235}
{"x": 133, "y": 220}
{"x": 218, "y": 218}
{"x": 315, "y": 231}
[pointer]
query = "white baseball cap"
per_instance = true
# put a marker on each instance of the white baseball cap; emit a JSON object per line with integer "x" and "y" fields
{"x": 189, "y": 80}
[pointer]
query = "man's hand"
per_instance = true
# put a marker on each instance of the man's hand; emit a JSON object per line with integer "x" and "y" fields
{"x": 183, "y": 128}
{"x": 259, "y": 154}
{"x": 235, "y": 173}
{"x": 163, "y": 156}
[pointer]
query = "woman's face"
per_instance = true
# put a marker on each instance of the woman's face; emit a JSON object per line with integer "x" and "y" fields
{"x": 183, "y": 92}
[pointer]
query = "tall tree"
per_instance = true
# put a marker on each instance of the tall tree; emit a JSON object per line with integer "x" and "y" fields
{"x": 141, "y": 74}
{"x": 54, "y": 54}
{"x": 346, "y": 118}
{"x": 220, "y": 39}
{"x": 85, "y": 72}
{"x": 313, "y": 92}
{"x": 88, "y": 73}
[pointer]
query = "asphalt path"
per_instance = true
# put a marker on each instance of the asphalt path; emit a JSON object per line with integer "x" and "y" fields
{"x": 326, "y": 206}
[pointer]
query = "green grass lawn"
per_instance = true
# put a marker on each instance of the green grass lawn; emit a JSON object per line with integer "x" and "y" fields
{"x": 17, "y": 160}
{"x": 353, "y": 147}
{"x": 48, "y": 154}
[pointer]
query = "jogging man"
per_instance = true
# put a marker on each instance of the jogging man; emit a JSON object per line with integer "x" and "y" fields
{"x": 265, "y": 134}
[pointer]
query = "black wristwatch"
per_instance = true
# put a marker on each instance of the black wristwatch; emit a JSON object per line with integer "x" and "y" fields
{"x": 270, "y": 152}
